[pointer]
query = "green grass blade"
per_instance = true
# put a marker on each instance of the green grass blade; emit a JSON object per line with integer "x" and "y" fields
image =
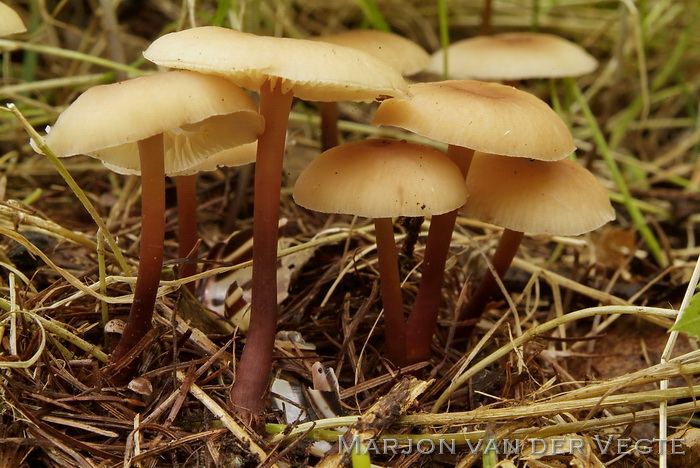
{"x": 444, "y": 25}
{"x": 31, "y": 58}
{"x": 222, "y": 9}
{"x": 670, "y": 66}
{"x": 374, "y": 15}
{"x": 627, "y": 200}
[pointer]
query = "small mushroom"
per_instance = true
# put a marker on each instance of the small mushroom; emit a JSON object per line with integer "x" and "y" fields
{"x": 280, "y": 69}
{"x": 152, "y": 126}
{"x": 538, "y": 197}
{"x": 468, "y": 116}
{"x": 381, "y": 179}
{"x": 400, "y": 53}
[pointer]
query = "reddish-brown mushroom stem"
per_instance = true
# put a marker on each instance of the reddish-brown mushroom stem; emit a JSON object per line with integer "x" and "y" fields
{"x": 423, "y": 317}
{"x": 390, "y": 286}
{"x": 186, "y": 187}
{"x": 486, "y": 28}
{"x": 150, "y": 254}
{"x": 253, "y": 373}
{"x": 502, "y": 258}
{"x": 329, "y": 125}
{"x": 421, "y": 322}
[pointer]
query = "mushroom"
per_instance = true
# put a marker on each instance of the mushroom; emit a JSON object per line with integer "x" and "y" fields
{"x": 400, "y": 53}
{"x": 381, "y": 179}
{"x": 514, "y": 56}
{"x": 279, "y": 68}
{"x": 10, "y": 22}
{"x": 154, "y": 125}
{"x": 538, "y": 197}
{"x": 468, "y": 116}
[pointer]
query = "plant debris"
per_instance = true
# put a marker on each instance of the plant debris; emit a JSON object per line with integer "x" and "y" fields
{"x": 571, "y": 364}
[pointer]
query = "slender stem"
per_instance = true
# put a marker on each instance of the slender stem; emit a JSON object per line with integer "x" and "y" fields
{"x": 110, "y": 25}
{"x": 329, "y": 125}
{"x": 486, "y": 28}
{"x": 390, "y": 285}
{"x": 423, "y": 317}
{"x": 462, "y": 157}
{"x": 150, "y": 255}
{"x": 187, "y": 223}
{"x": 253, "y": 373}
{"x": 502, "y": 258}
{"x": 102, "y": 274}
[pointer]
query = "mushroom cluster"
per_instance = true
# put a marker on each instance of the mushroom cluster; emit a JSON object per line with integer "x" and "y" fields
{"x": 505, "y": 147}
{"x": 280, "y": 69}
{"x": 383, "y": 179}
{"x": 468, "y": 116}
{"x": 157, "y": 125}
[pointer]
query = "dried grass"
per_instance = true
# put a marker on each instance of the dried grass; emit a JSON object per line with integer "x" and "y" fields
{"x": 547, "y": 360}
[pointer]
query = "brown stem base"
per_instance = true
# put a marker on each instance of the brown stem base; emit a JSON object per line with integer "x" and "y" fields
{"x": 150, "y": 255}
{"x": 253, "y": 372}
{"x": 390, "y": 287}
{"x": 424, "y": 314}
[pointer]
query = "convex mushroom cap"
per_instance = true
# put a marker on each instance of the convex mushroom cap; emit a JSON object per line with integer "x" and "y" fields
{"x": 402, "y": 54}
{"x": 514, "y": 56}
{"x": 488, "y": 117}
{"x": 381, "y": 178}
{"x": 199, "y": 115}
{"x": 279, "y": 69}
{"x": 316, "y": 71}
{"x": 10, "y": 22}
{"x": 538, "y": 197}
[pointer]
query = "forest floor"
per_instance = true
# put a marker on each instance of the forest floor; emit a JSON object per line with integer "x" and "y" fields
{"x": 577, "y": 356}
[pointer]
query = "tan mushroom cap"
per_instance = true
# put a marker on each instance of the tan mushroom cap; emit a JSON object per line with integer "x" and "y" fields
{"x": 10, "y": 22}
{"x": 488, "y": 117}
{"x": 199, "y": 115}
{"x": 539, "y": 197}
{"x": 316, "y": 71}
{"x": 404, "y": 55}
{"x": 514, "y": 56}
{"x": 381, "y": 178}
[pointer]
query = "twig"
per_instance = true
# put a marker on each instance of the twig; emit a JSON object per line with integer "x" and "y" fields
{"x": 532, "y": 333}
{"x": 226, "y": 419}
